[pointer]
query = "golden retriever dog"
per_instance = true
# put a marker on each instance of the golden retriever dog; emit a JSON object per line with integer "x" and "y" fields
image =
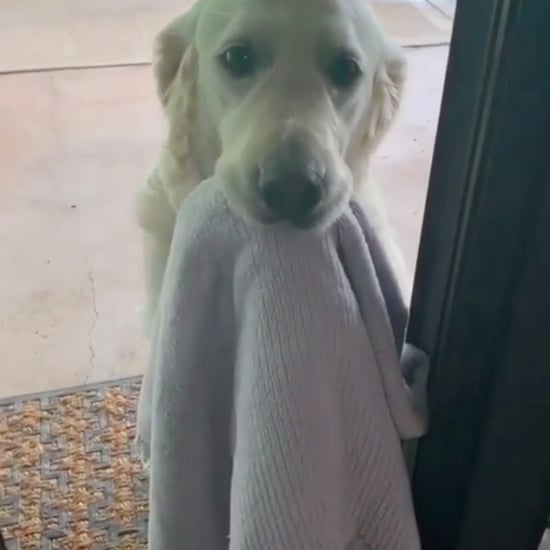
{"x": 285, "y": 100}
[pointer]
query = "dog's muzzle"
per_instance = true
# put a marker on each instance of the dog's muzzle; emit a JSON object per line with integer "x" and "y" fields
{"x": 292, "y": 182}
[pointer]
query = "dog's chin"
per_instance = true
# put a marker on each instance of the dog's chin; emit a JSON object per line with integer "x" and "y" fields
{"x": 326, "y": 213}
{"x": 245, "y": 203}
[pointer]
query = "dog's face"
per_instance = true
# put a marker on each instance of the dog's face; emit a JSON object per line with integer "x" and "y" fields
{"x": 285, "y": 99}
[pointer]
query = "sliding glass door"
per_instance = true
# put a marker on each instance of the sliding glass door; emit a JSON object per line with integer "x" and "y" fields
{"x": 481, "y": 303}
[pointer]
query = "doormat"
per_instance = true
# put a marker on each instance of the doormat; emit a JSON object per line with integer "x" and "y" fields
{"x": 70, "y": 475}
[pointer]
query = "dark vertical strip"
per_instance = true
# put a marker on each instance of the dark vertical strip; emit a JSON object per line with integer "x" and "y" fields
{"x": 509, "y": 500}
{"x": 488, "y": 179}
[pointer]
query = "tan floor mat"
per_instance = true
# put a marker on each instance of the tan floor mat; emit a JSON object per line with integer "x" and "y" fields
{"x": 70, "y": 475}
{"x": 45, "y": 34}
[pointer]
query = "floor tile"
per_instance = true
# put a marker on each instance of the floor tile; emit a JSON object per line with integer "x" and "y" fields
{"x": 74, "y": 146}
{"x": 402, "y": 164}
{"x": 45, "y": 34}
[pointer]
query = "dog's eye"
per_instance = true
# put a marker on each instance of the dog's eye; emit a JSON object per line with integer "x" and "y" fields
{"x": 239, "y": 61}
{"x": 344, "y": 72}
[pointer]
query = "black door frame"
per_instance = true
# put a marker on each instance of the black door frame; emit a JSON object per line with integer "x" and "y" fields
{"x": 481, "y": 302}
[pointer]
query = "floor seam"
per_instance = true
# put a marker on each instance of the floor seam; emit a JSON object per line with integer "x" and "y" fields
{"x": 62, "y": 68}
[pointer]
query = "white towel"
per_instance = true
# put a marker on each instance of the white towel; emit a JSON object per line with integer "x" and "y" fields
{"x": 273, "y": 407}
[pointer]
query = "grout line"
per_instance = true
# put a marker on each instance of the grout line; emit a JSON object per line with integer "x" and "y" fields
{"x": 439, "y": 9}
{"x": 425, "y": 46}
{"x": 62, "y": 68}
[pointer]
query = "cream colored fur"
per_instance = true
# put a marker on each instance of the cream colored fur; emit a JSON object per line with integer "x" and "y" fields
{"x": 217, "y": 125}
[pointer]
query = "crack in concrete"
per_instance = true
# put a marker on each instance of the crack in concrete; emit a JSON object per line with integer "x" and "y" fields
{"x": 91, "y": 350}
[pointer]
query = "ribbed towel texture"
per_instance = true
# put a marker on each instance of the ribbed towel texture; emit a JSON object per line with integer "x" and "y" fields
{"x": 274, "y": 404}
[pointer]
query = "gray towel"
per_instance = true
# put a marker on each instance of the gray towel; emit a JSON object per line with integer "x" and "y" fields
{"x": 274, "y": 404}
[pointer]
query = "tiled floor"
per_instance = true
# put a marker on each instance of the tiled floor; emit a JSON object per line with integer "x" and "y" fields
{"x": 446, "y": 7}
{"x": 71, "y": 33}
{"x": 74, "y": 146}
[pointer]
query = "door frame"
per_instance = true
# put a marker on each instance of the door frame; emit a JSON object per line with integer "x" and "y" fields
{"x": 481, "y": 300}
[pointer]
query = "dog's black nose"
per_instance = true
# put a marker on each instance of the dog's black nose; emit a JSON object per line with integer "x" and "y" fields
{"x": 291, "y": 195}
{"x": 291, "y": 185}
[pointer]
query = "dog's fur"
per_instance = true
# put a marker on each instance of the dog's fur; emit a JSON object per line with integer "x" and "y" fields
{"x": 225, "y": 126}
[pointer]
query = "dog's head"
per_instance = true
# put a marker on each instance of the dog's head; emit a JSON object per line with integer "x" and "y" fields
{"x": 284, "y": 99}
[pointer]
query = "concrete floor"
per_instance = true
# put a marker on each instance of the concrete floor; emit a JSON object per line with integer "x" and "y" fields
{"x": 74, "y": 146}
{"x": 446, "y": 7}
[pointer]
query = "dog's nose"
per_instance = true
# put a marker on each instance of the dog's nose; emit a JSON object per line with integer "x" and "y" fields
{"x": 291, "y": 187}
{"x": 292, "y": 196}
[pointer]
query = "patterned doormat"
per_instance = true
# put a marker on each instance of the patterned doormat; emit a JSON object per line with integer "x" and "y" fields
{"x": 70, "y": 476}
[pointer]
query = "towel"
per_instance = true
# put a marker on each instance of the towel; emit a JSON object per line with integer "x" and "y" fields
{"x": 274, "y": 404}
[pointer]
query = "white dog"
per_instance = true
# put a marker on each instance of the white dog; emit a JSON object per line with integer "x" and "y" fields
{"x": 286, "y": 100}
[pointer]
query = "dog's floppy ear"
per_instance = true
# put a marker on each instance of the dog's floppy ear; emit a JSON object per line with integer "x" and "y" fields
{"x": 170, "y": 47}
{"x": 176, "y": 71}
{"x": 388, "y": 84}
